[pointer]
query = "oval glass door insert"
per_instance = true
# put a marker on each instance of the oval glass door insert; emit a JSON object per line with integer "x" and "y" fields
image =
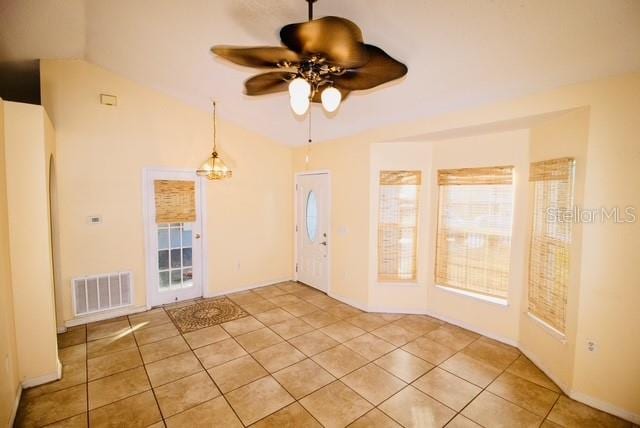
{"x": 312, "y": 216}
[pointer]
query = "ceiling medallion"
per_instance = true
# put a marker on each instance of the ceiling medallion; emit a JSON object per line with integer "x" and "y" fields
{"x": 322, "y": 61}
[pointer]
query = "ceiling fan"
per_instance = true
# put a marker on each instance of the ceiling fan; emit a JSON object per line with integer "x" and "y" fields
{"x": 322, "y": 61}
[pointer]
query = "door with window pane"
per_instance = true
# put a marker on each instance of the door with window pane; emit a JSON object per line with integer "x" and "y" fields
{"x": 175, "y": 271}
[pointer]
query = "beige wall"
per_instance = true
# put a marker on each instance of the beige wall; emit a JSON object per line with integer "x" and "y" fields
{"x": 28, "y": 145}
{"x": 9, "y": 378}
{"x": 101, "y": 153}
{"x": 609, "y": 272}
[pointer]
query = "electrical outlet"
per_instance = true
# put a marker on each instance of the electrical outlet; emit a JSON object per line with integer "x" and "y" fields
{"x": 591, "y": 345}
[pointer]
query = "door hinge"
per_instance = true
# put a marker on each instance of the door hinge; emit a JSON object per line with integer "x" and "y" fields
{"x": 296, "y": 267}
{"x": 296, "y": 227}
{"x": 296, "y": 187}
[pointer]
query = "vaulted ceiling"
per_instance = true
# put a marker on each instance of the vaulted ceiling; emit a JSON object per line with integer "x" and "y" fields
{"x": 460, "y": 53}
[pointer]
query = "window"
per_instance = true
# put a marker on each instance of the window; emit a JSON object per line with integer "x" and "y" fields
{"x": 397, "y": 225}
{"x": 474, "y": 229}
{"x": 550, "y": 240}
{"x": 175, "y": 255}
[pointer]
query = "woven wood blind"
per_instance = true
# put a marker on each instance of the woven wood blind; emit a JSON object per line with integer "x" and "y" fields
{"x": 175, "y": 201}
{"x": 474, "y": 229}
{"x": 552, "y": 182}
{"x": 398, "y": 225}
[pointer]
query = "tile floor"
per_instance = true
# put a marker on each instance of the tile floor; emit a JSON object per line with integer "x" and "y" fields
{"x": 301, "y": 359}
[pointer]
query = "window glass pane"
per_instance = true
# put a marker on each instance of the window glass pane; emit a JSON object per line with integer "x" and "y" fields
{"x": 186, "y": 257}
{"x": 175, "y": 237}
{"x": 176, "y": 261}
{"x": 176, "y": 277}
{"x": 187, "y": 277}
{"x": 163, "y": 239}
{"x": 164, "y": 280}
{"x": 474, "y": 234}
{"x": 187, "y": 234}
{"x": 163, "y": 259}
{"x": 312, "y": 216}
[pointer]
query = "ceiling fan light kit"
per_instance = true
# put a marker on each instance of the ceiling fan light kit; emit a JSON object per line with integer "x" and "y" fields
{"x": 322, "y": 61}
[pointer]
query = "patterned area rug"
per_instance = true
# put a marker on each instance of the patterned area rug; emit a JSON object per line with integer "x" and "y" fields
{"x": 205, "y": 314}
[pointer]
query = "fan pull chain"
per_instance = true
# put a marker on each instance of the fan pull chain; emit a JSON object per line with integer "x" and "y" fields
{"x": 309, "y": 141}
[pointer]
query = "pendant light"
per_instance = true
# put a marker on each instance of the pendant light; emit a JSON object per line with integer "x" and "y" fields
{"x": 214, "y": 168}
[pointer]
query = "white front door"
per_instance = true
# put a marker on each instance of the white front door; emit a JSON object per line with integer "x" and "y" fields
{"x": 312, "y": 230}
{"x": 174, "y": 256}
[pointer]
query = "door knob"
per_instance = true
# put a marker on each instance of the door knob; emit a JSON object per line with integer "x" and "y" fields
{"x": 197, "y": 236}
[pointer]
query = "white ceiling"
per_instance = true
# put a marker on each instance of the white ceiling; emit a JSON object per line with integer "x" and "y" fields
{"x": 460, "y": 53}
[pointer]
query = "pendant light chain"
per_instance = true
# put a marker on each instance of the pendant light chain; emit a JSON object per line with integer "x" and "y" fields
{"x": 214, "y": 127}
{"x": 309, "y": 141}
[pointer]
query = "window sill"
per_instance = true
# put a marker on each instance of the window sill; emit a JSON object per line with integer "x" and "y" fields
{"x": 489, "y": 299}
{"x": 547, "y": 328}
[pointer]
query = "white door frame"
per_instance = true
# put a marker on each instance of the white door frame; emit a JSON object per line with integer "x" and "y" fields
{"x": 148, "y": 194}
{"x": 296, "y": 228}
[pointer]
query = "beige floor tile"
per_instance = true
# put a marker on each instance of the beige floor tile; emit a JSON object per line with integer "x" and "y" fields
{"x": 447, "y": 388}
{"x": 270, "y": 291}
{"x": 429, "y": 350}
{"x": 149, "y": 319}
{"x": 490, "y": 410}
{"x": 258, "y": 399}
{"x": 163, "y": 349}
{"x": 110, "y": 344}
{"x": 52, "y": 407}
{"x": 461, "y": 422}
{"x": 452, "y": 336}
{"x": 292, "y": 416}
{"x": 219, "y": 353}
{"x": 273, "y": 316}
{"x": 109, "y": 364}
{"x": 278, "y": 356}
{"x": 205, "y": 336}
{"x": 470, "y": 369}
{"x": 303, "y": 378}
{"x": 340, "y": 360}
{"x": 77, "y": 421}
{"x": 404, "y": 365}
{"x": 528, "y": 395}
{"x": 548, "y": 424}
{"x": 342, "y": 331}
{"x": 257, "y": 307}
{"x": 245, "y": 297}
{"x": 291, "y": 328}
{"x": 116, "y": 387}
{"x": 213, "y": 413}
{"x": 306, "y": 293}
{"x": 72, "y": 337}
{"x": 527, "y": 370}
{"x": 242, "y": 326}
{"x": 420, "y": 324}
{"x": 375, "y": 418}
{"x": 491, "y": 352}
{"x": 322, "y": 301}
{"x": 291, "y": 286}
{"x": 185, "y": 393}
{"x": 73, "y": 353}
{"x": 107, "y": 329}
{"x": 369, "y": 346}
{"x": 343, "y": 311}
{"x": 236, "y": 373}
{"x": 313, "y": 342}
{"x": 136, "y": 411}
{"x": 570, "y": 413}
{"x": 73, "y": 373}
{"x": 335, "y": 405}
{"x": 373, "y": 383}
{"x": 257, "y": 340}
{"x": 319, "y": 319}
{"x": 395, "y": 334}
{"x": 300, "y": 309}
{"x": 155, "y": 334}
{"x": 173, "y": 368}
{"x": 285, "y": 299}
{"x": 412, "y": 408}
{"x": 367, "y": 321}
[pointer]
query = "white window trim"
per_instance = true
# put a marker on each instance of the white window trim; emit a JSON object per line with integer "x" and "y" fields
{"x": 557, "y": 334}
{"x": 478, "y": 296}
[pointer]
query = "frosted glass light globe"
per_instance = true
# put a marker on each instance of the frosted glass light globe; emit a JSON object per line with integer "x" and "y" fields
{"x": 299, "y": 104}
{"x": 331, "y": 98}
{"x": 299, "y": 87}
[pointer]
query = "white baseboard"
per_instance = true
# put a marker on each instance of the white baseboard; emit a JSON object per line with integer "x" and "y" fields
{"x": 61, "y": 329}
{"x": 349, "y": 302}
{"x": 46, "y": 378}
{"x": 605, "y": 407}
{"x": 101, "y": 316}
{"x": 208, "y": 293}
{"x": 16, "y": 404}
{"x": 540, "y": 364}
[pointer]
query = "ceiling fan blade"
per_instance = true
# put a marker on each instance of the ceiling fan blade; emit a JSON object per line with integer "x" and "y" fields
{"x": 317, "y": 97}
{"x": 267, "y": 83}
{"x": 259, "y": 56}
{"x": 380, "y": 69}
{"x": 336, "y": 39}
